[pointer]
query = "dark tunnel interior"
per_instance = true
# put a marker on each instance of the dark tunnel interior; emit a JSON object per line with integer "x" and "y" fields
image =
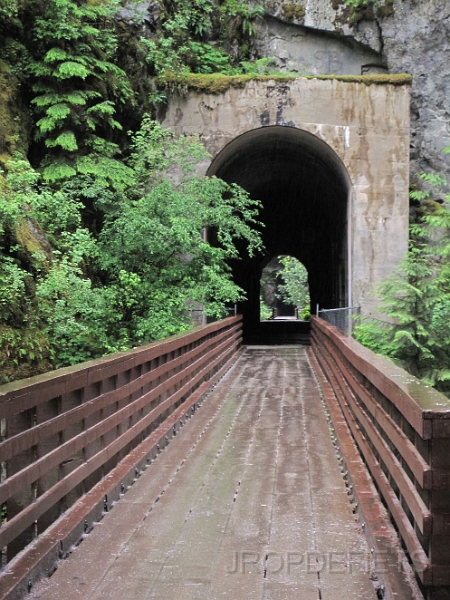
{"x": 304, "y": 189}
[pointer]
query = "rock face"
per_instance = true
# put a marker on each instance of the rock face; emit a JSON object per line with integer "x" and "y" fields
{"x": 413, "y": 36}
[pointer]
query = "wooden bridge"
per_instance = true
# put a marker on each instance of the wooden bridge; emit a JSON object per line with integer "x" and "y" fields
{"x": 197, "y": 467}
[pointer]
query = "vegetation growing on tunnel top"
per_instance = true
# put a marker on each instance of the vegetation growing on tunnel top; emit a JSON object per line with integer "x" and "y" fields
{"x": 416, "y": 298}
{"x": 374, "y": 79}
{"x": 218, "y": 83}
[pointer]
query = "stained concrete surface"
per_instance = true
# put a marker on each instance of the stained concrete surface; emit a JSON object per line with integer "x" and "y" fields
{"x": 328, "y": 159}
{"x": 247, "y": 502}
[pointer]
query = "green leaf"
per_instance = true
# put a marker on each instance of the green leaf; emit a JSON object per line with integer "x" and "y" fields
{"x": 58, "y": 111}
{"x": 55, "y": 54}
{"x": 69, "y": 69}
{"x": 58, "y": 171}
{"x": 66, "y": 140}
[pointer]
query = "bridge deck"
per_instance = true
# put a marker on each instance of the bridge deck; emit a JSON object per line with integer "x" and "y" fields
{"x": 247, "y": 502}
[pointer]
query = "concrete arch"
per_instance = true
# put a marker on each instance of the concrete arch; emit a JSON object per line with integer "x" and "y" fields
{"x": 305, "y": 190}
{"x": 345, "y": 134}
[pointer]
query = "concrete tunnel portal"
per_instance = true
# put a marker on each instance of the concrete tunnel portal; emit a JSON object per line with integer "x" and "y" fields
{"x": 305, "y": 190}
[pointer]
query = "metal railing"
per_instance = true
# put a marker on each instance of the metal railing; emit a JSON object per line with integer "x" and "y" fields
{"x": 342, "y": 318}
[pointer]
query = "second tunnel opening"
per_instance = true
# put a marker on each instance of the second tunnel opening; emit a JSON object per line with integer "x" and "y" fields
{"x": 305, "y": 189}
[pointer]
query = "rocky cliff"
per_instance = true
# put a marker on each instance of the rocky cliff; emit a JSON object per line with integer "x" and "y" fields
{"x": 413, "y": 36}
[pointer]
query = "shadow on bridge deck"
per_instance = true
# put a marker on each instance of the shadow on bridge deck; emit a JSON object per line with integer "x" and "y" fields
{"x": 247, "y": 502}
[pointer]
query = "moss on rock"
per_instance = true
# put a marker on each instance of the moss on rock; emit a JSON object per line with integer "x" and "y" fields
{"x": 14, "y": 117}
{"x": 217, "y": 84}
{"x": 293, "y": 11}
{"x": 33, "y": 244}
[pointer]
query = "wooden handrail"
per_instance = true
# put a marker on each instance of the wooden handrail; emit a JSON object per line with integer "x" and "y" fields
{"x": 402, "y": 430}
{"x": 67, "y": 429}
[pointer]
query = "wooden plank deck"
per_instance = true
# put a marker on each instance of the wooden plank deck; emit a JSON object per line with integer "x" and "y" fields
{"x": 247, "y": 502}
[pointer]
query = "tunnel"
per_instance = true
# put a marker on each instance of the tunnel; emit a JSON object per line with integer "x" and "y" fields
{"x": 305, "y": 190}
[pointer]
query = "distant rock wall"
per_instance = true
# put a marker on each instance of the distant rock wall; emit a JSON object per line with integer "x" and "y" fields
{"x": 413, "y": 36}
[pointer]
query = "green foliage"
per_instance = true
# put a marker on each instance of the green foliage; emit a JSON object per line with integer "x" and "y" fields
{"x": 8, "y": 9}
{"x": 293, "y": 288}
{"x": 181, "y": 48}
{"x": 265, "y": 312}
{"x": 12, "y": 289}
{"x": 103, "y": 243}
{"x": 20, "y": 347}
{"x": 357, "y": 3}
{"x": 284, "y": 280}
{"x": 151, "y": 244}
{"x": 75, "y": 81}
{"x": 130, "y": 278}
{"x": 240, "y": 18}
{"x": 78, "y": 317}
{"x": 416, "y": 298}
{"x": 305, "y": 314}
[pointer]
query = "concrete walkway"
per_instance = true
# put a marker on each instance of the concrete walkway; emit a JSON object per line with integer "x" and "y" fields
{"x": 247, "y": 502}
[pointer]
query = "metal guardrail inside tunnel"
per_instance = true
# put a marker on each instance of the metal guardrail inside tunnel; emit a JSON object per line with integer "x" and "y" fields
{"x": 75, "y": 438}
{"x": 342, "y": 318}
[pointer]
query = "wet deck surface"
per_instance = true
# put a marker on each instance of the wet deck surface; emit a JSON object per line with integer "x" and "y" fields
{"x": 247, "y": 502}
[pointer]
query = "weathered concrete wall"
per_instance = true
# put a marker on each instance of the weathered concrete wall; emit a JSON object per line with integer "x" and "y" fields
{"x": 367, "y": 126}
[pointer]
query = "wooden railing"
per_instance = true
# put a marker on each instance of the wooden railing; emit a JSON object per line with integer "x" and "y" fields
{"x": 62, "y": 432}
{"x": 402, "y": 429}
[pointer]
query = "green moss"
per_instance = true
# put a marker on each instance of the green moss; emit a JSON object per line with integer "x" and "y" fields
{"x": 271, "y": 5}
{"x": 386, "y": 10}
{"x": 356, "y": 11}
{"x": 217, "y": 84}
{"x": 14, "y": 117}
{"x": 213, "y": 84}
{"x": 293, "y": 11}
{"x": 33, "y": 244}
{"x": 24, "y": 353}
{"x": 377, "y": 79}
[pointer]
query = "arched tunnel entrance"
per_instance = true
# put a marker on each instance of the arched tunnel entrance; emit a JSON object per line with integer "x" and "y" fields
{"x": 305, "y": 191}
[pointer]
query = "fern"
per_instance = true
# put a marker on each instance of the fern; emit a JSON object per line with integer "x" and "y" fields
{"x": 75, "y": 79}
{"x": 65, "y": 140}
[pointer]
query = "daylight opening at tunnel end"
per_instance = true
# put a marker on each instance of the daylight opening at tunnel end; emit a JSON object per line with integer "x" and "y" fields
{"x": 284, "y": 290}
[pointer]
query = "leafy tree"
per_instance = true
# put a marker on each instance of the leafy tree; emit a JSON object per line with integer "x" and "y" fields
{"x": 284, "y": 279}
{"x": 294, "y": 288}
{"x": 103, "y": 245}
{"x": 152, "y": 247}
{"x": 135, "y": 279}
